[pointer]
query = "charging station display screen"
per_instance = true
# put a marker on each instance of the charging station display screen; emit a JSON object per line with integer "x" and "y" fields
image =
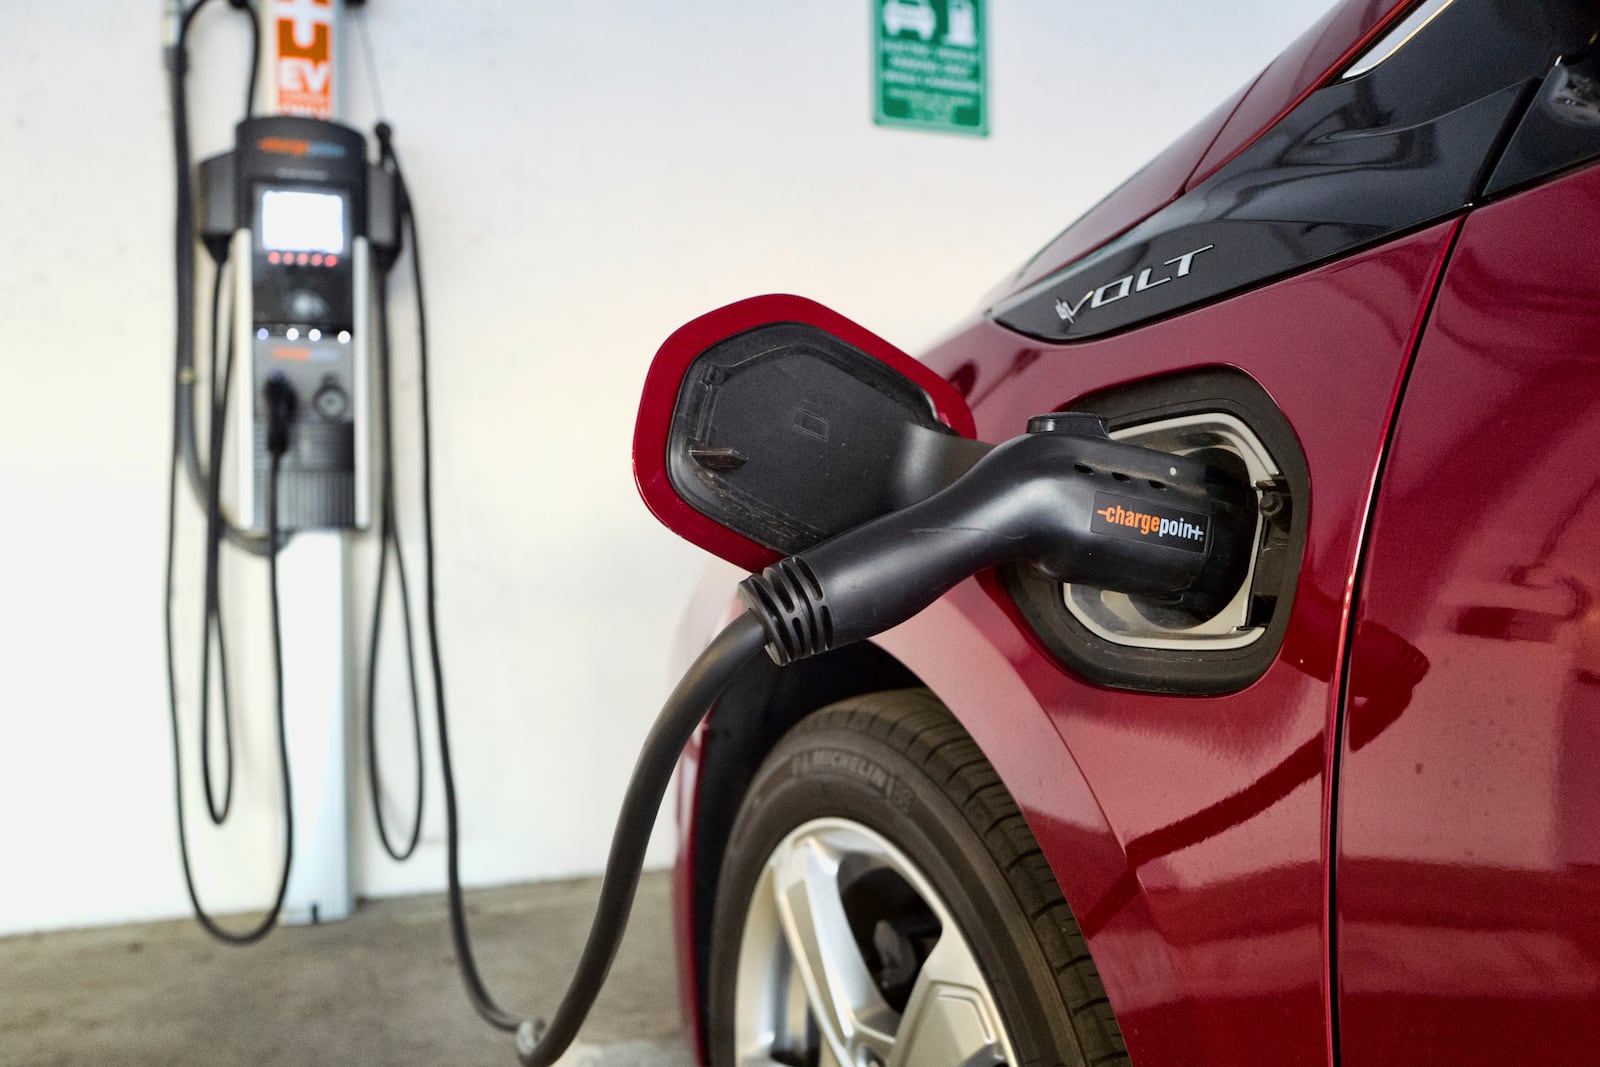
{"x": 294, "y": 221}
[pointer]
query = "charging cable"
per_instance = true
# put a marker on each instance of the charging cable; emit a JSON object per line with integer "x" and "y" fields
{"x": 477, "y": 991}
{"x": 536, "y": 1042}
{"x": 279, "y": 400}
{"x": 204, "y": 477}
{"x": 185, "y": 444}
{"x": 389, "y": 544}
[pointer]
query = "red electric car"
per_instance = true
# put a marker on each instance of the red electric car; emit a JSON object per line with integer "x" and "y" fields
{"x": 1353, "y": 815}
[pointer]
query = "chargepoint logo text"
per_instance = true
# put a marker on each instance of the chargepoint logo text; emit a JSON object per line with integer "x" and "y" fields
{"x": 1129, "y": 285}
{"x": 1121, "y": 517}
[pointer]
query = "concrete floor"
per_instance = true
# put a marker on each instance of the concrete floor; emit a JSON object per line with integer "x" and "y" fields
{"x": 379, "y": 988}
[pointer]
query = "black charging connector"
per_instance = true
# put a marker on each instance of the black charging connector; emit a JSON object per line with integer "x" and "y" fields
{"x": 1064, "y": 499}
{"x": 277, "y": 395}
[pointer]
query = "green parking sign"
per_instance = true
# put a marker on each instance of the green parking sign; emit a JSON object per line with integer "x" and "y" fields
{"x": 931, "y": 68}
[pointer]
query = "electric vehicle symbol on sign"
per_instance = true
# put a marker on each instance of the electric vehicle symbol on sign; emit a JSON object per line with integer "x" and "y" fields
{"x": 915, "y": 16}
{"x": 1060, "y": 817}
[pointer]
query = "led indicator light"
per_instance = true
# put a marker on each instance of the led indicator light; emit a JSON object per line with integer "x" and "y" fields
{"x": 302, "y": 258}
{"x": 292, "y": 334}
{"x": 332, "y": 261}
{"x": 272, "y": 257}
{"x": 314, "y": 335}
{"x": 316, "y": 259}
{"x": 344, "y": 337}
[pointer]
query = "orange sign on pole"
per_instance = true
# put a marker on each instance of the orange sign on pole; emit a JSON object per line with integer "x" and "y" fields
{"x": 302, "y": 57}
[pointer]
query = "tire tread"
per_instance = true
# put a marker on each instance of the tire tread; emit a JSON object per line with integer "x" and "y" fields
{"x": 917, "y": 724}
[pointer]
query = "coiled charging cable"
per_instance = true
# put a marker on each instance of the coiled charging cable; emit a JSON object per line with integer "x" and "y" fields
{"x": 204, "y": 478}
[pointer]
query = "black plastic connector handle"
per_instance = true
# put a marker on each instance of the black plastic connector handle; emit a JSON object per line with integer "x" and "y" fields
{"x": 1064, "y": 499}
{"x": 281, "y": 402}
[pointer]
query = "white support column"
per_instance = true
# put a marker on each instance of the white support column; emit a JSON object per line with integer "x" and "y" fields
{"x": 316, "y": 639}
{"x": 313, "y": 569}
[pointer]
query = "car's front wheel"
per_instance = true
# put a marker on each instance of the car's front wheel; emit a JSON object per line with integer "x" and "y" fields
{"x": 883, "y": 904}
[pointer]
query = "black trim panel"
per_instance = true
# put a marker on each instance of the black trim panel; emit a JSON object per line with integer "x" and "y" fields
{"x": 1560, "y": 130}
{"x": 1401, "y": 146}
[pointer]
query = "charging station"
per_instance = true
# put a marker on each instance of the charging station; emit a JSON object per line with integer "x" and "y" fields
{"x": 308, "y": 229}
{"x": 301, "y": 296}
{"x": 287, "y": 215}
{"x": 294, "y": 195}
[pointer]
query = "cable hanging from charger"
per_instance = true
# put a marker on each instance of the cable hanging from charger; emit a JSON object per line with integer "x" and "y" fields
{"x": 211, "y": 625}
{"x": 540, "y": 1044}
{"x": 384, "y": 257}
{"x": 184, "y": 375}
{"x": 477, "y": 991}
{"x": 204, "y": 478}
{"x": 280, "y": 403}
{"x": 389, "y": 542}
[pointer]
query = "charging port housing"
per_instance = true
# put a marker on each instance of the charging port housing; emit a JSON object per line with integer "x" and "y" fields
{"x": 1124, "y": 642}
{"x": 1127, "y": 620}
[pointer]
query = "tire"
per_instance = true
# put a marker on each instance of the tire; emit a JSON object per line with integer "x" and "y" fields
{"x": 873, "y": 831}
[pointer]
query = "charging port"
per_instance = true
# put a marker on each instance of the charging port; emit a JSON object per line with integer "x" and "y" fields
{"x": 1223, "y": 416}
{"x": 1223, "y": 440}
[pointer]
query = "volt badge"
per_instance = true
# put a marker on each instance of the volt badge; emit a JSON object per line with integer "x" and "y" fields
{"x": 1135, "y": 520}
{"x": 1128, "y": 285}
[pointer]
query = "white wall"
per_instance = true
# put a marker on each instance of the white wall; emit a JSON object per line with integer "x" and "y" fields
{"x": 589, "y": 177}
